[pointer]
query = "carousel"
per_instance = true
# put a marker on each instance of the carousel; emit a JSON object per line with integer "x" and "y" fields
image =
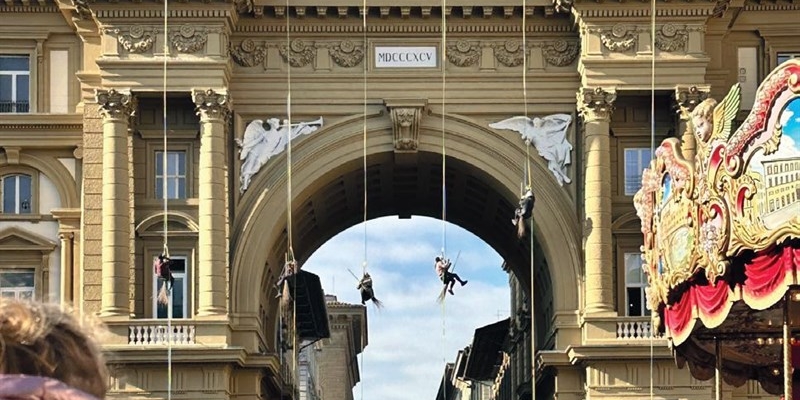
{"x": 722, "y": 239}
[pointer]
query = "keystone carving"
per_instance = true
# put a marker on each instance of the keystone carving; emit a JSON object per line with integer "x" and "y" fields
{"x": 560, "y": 53}
{"x": 248, "y": 54}
{"x": 137, "y": 40}
{"x": 114, "y": 104}
{"x": 510, "y": 53}
{"x": 298, "y": 53}
{"x": 211, "y": 104}
{"x": 670, "y": 38}
{"x": 688, "y": 97}
{"x": 188, "y": 40}
{"x": 406, "y": 118}
{"x": 346, "y": 54}
{"x": 596, "y": 104}
{"x": 463, "y": 53}
{"x": 619, "y": 38}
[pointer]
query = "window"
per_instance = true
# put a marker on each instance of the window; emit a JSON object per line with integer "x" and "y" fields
{"x": 14, "y": 83}
{"x": 176, "y": 174}
{"x": 636, "y": 160}
{"x": 179, "y": 302}
{"x": 16, "y": 192}
{"x": 782, "y": 57}
{"x": 17, "y": 283}
{"x": 635, "y": 284}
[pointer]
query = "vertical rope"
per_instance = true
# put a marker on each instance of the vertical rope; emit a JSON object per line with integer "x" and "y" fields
{"x": 165, "y": 196}
{"x": 364, "y": 265}
{"x": 444, "y": 187}
{"x": 288, "y": 128}
{"x": 652, "y": 154}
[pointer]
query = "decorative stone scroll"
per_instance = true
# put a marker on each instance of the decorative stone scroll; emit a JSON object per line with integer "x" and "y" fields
{"x": 620, "y": 38}
{"x": 211, "y": 103}
{"x": 248, "y": 54}
{"x": 463, "y": 53}
{"x": 346, "y": 54}
{"x": 298, "y": 53}
{"x": 596, "y": 103}
{"x": 187, "y": 39}
{"x": 406, "y": 118}
{"x": 669, "y": 38}
{"x": 510, "y": 53}
{"x": 560, "y": 53}
{"x": 138, "y": 39}
{"x": 115, "y": 104}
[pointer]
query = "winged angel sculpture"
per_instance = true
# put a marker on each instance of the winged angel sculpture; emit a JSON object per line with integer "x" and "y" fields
{"x": 549, "y": 136}
{"x": 262, "y": 140}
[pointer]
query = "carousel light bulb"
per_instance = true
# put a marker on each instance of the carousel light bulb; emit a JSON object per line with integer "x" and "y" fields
{"x": 760, "y": 341}
{"x": 796, "y": 296}
{"x": 770, "y": 341}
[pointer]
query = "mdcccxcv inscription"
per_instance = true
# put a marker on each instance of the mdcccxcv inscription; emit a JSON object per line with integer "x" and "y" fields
{"x": 405, "y": 57}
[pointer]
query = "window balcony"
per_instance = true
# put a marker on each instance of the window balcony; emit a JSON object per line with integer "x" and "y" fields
{"x": 17, "y": 107}
{"x": 149, "y": 333}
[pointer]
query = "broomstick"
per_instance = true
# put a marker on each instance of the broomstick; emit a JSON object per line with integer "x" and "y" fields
{"x": 443, "y": 293}
{"x": 378, "y": 303}
{"x": 520, "y": 228}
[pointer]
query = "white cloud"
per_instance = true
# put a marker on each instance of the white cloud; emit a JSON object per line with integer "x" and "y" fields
{"x": 407, "y": 349}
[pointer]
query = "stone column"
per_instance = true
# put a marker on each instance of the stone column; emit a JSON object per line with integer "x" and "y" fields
{"x": 116, "y": 109}
{"x": 688, "y": 97}
{"x": 596, "y": 107}
{"x": 212, "y": 107}
{"x": 66, "y": 267}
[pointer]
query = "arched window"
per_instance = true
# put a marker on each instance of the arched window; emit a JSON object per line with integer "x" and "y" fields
{"x": 16, "y": 191}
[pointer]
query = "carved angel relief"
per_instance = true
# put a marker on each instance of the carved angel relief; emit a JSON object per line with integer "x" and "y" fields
{"x": 188, "y": 40}
{"x": 463, "y": 53}
{"x": 298, "y": 53}
{"x": 248, "y": 54}
{"x": 549, "y": 136}
{"x": 347, "y": 54}
{"x": 264, "y": 139}
{"x": 620, "y": 38}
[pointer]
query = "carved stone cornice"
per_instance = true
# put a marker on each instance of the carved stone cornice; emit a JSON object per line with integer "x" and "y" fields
{"x": 115, "y": 104}
{"x": 211, "y": 104}
{"x": 381, "y": 27}
{"x": 510, "y": 53}
{"x": 560, "y": 53}
{"x": 137, "y": 39}
{"x": 406, "y": 117}
{"x": 463, "y": 53}
{"x": 248, "y": 54}
{"x": 346, "y": 54}
{"x": 620, "y": 38}
{"x": 688, "y": 97}
{"x": 298, "y": 53}
{"x": 188, "y": 39}
{"x": 596, "y": 104}
{"x": 669, "y": 38}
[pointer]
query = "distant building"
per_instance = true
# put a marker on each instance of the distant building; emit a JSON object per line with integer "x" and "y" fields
{"x": 782, "y": 180}
{"x": 336, "y": 363}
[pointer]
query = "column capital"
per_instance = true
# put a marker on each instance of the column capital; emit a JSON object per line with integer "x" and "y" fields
{"x": 688, "y": 97}
{"x": 115, "y": 104}
{"x": 211, "y": 104}
{"x": 596, "y": 104}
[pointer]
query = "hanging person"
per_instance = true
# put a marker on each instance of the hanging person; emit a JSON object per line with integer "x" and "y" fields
{"x": 524, "y": 211}
{"x": 367, "y": 292}
{"x": 289, "y": 269}
{"x": 448, "y": 278}
{"x": 161, "y": 267}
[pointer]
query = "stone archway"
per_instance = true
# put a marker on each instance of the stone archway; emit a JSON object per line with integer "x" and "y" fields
{"x": 480, "y": 162}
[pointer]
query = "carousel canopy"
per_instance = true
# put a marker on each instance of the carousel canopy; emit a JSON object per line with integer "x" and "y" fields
{"x": 722, "y": 233}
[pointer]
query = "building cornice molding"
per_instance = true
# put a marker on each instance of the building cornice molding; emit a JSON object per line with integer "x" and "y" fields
{"x": 42, "y": 130}
{"x": 422, "y": 28}
{"x": 39, "y": 7}
{"x": 625, "y": 10}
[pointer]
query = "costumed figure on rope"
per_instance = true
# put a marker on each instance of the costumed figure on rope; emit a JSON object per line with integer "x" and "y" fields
{"x": 162, "y": 269}
{"x": 264, "y": 139}
{"x": 524, "y": 211}
{"x": 367, "y": 292}
{"x": 290, "y": 268}
{"x": 448, "y": 278}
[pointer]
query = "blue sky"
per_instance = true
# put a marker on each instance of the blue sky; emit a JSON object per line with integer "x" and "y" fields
{"x": 407, "y": 348}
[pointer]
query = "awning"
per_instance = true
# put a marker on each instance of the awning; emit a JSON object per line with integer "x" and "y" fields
{"x": 312, "y": 314}
{"x": 486, "y": 353}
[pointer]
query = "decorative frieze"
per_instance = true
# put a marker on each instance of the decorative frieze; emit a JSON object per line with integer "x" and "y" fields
{"x": 298, "y": 53}
{"x": 620, "y": 38}
{"x": 560, "y": 53}
{"x": 688, "y": 97}
{"x": 188, "y": 39}
{"x": 138, "y": 39}
{"x": 211, "y": 104}
{"x": 346, "y": 54}
{"x": 669, "y": 38}
{"x": 248, "y": 54}
{"x": 463, "y": 53}
{"x": 510, "y": 53}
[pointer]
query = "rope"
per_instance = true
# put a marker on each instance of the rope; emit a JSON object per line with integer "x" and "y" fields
{"x": 364, "y": 264}
{"x": 652, "y": 154}
{"x": 444, "y": 189}
{"x": 288, "y": 128}
{"x": 165, "y": 196}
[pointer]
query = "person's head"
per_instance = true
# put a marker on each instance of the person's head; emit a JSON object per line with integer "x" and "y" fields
{"x": 438, "y": 258}
{"x": 703, "y": 117}
{"x": 45, "y": 340}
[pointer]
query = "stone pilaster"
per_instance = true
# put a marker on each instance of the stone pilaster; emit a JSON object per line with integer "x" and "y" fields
{"x": 596, "y": 105}
{"x": 687, "y": 98}
{"x": 69, "y": 225}
{"x": 212, "y": 107}
{"x": 116, "y": 109}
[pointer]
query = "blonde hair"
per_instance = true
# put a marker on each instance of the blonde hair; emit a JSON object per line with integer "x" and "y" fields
{"x": 46, "y": 340}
